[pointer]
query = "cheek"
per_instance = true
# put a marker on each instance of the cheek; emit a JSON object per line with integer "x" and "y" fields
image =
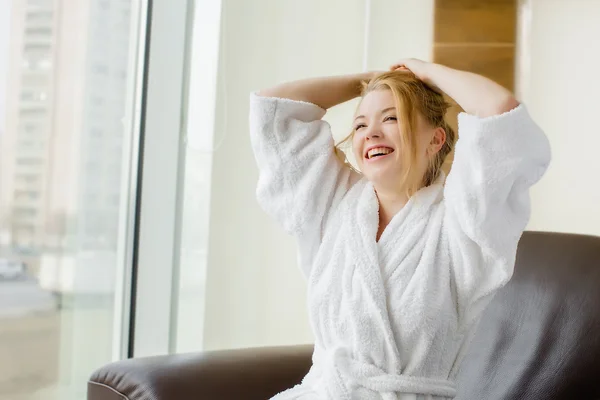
{"x": 392, "y": 132}
{"x": 423, "y": 149}
{"x": 424, "y": 141}
{"x": 356, "y": 149}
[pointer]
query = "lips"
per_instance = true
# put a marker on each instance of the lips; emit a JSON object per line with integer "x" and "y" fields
{"x": 377, "y": 151}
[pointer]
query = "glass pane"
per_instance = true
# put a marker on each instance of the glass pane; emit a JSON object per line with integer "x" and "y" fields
{"x": 65, "y": 91}
{"x": 197, "y": 184}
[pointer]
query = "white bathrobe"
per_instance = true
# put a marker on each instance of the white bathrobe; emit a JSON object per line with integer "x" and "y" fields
{"x": 392, "y": 318}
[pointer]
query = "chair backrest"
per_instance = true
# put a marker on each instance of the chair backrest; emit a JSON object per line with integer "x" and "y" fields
{"x": 540, "y": 336}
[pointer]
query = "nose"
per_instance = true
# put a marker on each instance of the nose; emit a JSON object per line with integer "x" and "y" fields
{"x": 372, "y": 133}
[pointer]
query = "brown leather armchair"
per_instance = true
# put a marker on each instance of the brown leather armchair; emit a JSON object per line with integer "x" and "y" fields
{"x": 538, "y": 339}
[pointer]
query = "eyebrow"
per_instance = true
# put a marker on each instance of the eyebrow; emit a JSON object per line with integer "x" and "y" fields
{"x": 382, "y": 112}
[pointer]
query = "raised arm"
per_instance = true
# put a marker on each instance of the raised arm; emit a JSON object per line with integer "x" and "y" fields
{"x": 501, "y": 152}
{"x": 476, "y": 94}
{"x": 325, "y": 92}
{"x": 301, "y": 180}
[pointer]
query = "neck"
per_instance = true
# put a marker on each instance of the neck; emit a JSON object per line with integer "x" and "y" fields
{"x": 390, "y": 203}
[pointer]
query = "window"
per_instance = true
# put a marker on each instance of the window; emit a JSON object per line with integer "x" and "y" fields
{"x": 47, "y": 31}
{"x": 28, "y": 178}
{"x": 27, "y": 144}
{"x": 36, "y": 80}
{"x": 65, "y": 317}
{"x": 21, "y": 195}
{"x": 24, "y": 212}
{"x": 39, "y": 4}
{"x": 37, "y": 48}
{"x": 33, "y": 112}
{"x": 38, "y": 16}
{"x": 29, "y": 161}
{"x": 29, "y": 128}
{"x": 37, "y": 64}
{"x": 33, "y": 95}
{"x": 25, "y": 228}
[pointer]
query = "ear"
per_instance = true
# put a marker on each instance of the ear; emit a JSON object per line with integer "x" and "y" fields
{"x": 437, "y": 140}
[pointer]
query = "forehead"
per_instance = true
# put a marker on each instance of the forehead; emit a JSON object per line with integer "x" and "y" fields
{"x": 375, "y": 101}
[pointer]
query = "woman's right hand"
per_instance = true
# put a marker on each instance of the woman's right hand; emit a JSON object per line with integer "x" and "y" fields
{"x": 420, "y": 68}
{"x": 416, "y": 66}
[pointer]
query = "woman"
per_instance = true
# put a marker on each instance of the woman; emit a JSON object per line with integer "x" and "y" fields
{"x": 400, "y": 261}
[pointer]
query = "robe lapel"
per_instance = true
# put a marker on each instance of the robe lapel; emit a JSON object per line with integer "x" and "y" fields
{"x": 408, "y": 226}
{"x": 366, "y": 223}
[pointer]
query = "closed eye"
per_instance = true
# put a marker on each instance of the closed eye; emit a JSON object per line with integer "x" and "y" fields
{"x": 390, "y": 118}
{"x": 359, "y": 126}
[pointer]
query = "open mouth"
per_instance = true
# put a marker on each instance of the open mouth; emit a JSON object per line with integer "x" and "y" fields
{"x": 378, "y": 152}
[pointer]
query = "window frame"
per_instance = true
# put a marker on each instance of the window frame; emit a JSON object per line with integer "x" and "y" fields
{"x": 151, "y": 290}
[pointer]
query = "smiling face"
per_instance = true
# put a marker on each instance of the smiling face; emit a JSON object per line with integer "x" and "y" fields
{"x": 384, "y": 144}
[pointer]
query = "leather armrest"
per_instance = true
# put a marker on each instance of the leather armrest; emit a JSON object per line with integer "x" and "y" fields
{"x": 257, "y": 373}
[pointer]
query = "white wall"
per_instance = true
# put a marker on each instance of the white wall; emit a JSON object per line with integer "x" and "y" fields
{"x": 559, "y": 81}
{"x": 255, "y": 294}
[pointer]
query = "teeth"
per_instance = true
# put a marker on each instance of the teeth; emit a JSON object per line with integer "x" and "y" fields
{"x": 379, "y": 151}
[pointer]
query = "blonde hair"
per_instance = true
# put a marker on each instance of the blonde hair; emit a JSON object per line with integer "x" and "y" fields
{"x": 412, "y": 97}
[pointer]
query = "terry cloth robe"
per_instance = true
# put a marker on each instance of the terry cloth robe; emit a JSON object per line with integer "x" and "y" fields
{"x": 392, "y": 318}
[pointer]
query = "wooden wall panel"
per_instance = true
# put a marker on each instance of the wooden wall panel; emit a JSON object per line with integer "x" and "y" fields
{"x": 496, "y": 63}
{"x": 477, "y": 36}
{"x": 475, "y": 21}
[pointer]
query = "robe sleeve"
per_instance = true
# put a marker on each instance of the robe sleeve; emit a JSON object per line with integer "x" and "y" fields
{"x": 301, "y": 180}
{"x": 497, "y": 160}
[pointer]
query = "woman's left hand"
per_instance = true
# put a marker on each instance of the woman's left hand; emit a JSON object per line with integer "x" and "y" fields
{"x": 476, "y": 94}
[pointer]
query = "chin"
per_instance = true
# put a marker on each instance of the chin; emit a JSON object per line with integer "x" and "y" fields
{"x": 382, "y": 178}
